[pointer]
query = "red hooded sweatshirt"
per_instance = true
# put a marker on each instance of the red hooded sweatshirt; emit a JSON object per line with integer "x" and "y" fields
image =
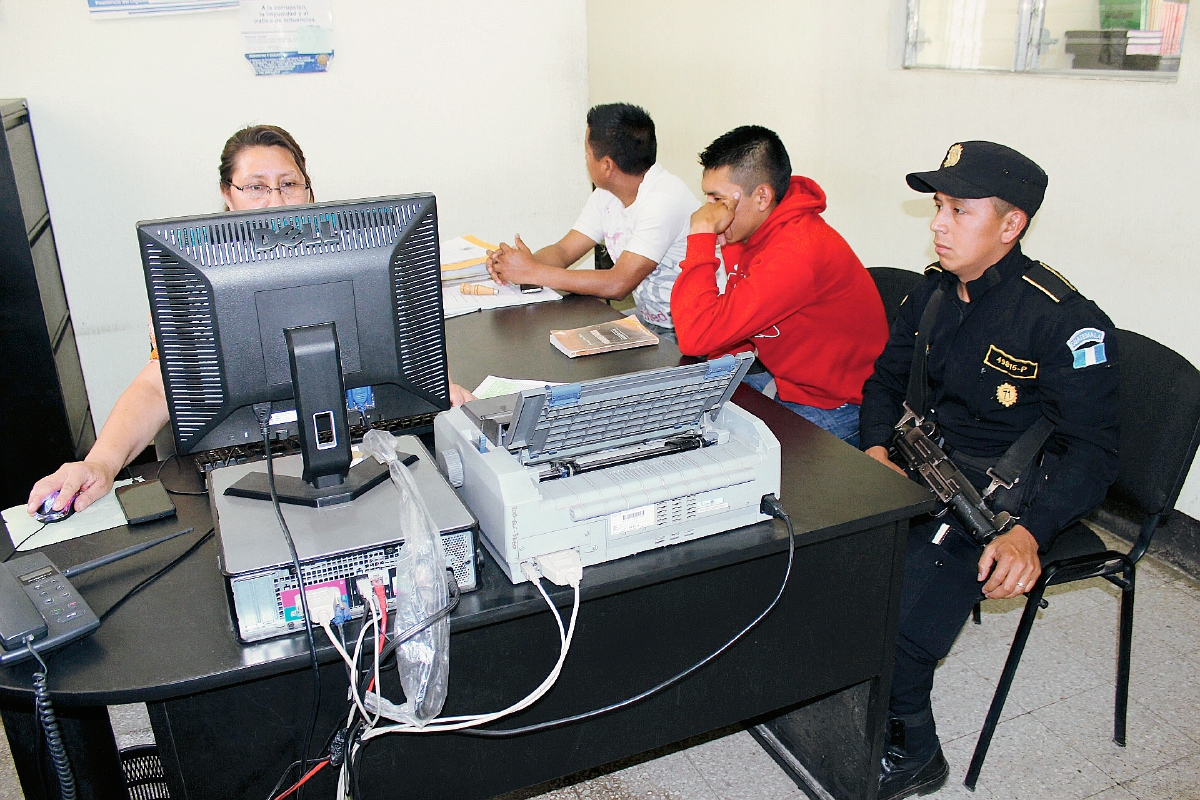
{"x": 796, "y": 293}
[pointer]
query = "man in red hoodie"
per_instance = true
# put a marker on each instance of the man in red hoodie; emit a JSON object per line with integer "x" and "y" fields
{"x": 794, "y": 292}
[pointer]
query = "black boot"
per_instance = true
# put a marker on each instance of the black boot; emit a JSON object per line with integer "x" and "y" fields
{"x": 904, "y": 772}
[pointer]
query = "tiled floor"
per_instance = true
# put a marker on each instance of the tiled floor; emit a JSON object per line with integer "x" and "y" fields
{"x": 1054, "y": 740}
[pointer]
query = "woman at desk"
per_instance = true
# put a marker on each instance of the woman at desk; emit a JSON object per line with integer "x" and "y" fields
{"x": 261, "y": 166}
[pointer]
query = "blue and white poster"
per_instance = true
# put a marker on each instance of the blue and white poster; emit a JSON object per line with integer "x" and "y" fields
{"x": 134, "y": 8}
{"x": 285, "y": 37}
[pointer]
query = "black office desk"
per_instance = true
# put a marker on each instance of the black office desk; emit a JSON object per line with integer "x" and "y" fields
{"x": 229, "y": 717}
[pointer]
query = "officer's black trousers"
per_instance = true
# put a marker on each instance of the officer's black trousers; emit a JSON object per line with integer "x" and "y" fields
{"x": 940, "y": 590}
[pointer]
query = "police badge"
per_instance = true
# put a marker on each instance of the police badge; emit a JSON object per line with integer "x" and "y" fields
{"x": 1006, "y": 393}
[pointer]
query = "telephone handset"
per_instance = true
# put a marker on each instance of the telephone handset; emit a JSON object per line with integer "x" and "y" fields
{"x": 37, "y": 602}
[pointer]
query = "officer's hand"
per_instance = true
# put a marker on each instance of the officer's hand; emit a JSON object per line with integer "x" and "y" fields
{"x": 1017, "y": 566}
{"x": 715, "y": 216}
{"x": 880, "y": 454}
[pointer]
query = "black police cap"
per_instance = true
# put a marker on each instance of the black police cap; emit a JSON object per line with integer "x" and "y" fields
{"x": 986, "y": 169}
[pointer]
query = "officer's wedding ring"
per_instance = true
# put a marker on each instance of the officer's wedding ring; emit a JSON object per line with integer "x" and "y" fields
{"x": 1020, "y": 584}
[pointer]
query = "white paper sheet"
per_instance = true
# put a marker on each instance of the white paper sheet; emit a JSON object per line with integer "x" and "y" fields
{"x": 101, "y": 515}
{"x": 455, "y": 303}
{"x": 492, "y": 386}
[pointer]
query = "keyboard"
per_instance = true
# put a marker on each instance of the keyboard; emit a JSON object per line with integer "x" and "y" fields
{"x": 209, "y": 460}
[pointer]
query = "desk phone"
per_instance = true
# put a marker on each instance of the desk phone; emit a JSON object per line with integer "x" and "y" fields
{"x": 37, "y": 600}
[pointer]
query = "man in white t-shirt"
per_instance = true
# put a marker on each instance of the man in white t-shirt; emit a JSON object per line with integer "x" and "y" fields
{"x": 639, "y": 211}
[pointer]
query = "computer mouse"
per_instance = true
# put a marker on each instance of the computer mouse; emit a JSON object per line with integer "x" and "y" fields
{"x": 46, "y": 513}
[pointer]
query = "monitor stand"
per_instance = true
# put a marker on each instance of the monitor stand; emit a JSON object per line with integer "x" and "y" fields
{"x": 320, "y": 394}
{"x": 363, "y": 477}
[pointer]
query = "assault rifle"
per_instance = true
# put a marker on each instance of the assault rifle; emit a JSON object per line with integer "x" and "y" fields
{"x": 913, "y": 441}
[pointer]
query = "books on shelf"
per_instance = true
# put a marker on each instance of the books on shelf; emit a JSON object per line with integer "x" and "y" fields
{"x": 1174, "y": 16}
{"x": 605, "y": 337}
{"x": 1143, "y": 43}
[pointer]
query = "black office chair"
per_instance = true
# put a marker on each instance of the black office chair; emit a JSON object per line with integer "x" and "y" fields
{"x": 894, "y": 285}
{"x": 1160, "y": 428}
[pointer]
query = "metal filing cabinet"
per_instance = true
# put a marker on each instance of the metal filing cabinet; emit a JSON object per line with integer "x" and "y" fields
{"x": 45, "y": 418}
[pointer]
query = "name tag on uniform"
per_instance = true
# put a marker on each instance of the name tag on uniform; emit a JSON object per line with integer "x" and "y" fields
{"x": 1014, "y": 367}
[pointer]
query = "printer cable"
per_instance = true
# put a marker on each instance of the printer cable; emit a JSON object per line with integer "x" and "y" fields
{"x": 771, "y": 506}
{"x": 569, "y": 572}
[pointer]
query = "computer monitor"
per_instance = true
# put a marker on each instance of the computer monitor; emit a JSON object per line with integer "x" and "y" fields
{"x": 282, "y": 310}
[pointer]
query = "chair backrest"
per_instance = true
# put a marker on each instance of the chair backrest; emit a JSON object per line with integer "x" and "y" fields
{"x": 1160, "y": 426}
{"x": 894, "y": 285}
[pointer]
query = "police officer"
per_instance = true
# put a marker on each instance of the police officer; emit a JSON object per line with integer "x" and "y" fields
{"x": 1010, "y": 342}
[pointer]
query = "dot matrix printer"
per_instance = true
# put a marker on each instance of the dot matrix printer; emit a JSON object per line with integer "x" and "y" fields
{"x": 610, "y": 467}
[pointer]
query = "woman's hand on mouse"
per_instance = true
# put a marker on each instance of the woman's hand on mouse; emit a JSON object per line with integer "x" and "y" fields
{"x": 90, "y": 479}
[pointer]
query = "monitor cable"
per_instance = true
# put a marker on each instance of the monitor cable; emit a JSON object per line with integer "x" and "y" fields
{"x": 169, "y": 490}
{"x": 262, "y": 411}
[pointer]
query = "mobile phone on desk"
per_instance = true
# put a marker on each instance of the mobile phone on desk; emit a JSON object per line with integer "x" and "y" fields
{"x": 145, "y": 501}
{"x": 530, "y": 288}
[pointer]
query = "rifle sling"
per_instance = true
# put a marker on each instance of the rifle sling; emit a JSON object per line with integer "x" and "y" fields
{"x": 1019, "y": 455}
{"x": 918, "y": 376}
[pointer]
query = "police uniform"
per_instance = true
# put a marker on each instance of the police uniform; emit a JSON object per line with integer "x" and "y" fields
{"x": 1027, "y": 345}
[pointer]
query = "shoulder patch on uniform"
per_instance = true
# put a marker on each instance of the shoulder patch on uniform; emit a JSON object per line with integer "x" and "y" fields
{"x": 1014, "y": 367}
{"x": 1087, "y": 348}
{"x": 1050, "y": 282}
{"x": 934, "y": 267}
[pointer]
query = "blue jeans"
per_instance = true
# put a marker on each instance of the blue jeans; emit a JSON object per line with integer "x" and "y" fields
{"x": 842, "y": 421}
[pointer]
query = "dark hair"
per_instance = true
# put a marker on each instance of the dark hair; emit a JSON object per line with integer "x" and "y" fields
{"x": 624, "y": 133}
{"x": 755, "y": 155}
{"x": 259, "y": 136}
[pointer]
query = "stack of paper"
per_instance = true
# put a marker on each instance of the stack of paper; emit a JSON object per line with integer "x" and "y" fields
{"x": 464, "y": 259}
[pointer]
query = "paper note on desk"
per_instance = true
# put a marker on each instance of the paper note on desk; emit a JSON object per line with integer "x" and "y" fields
{"x": 101, "y": 515}
{"x": 491, "y": 386}
{"x": 464, "y": 259}
{"x": 455, "y": 303}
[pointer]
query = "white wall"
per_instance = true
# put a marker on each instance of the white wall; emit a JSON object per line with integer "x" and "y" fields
{"x": 481, "y": 103}
{"x": 1120, "y": 216}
